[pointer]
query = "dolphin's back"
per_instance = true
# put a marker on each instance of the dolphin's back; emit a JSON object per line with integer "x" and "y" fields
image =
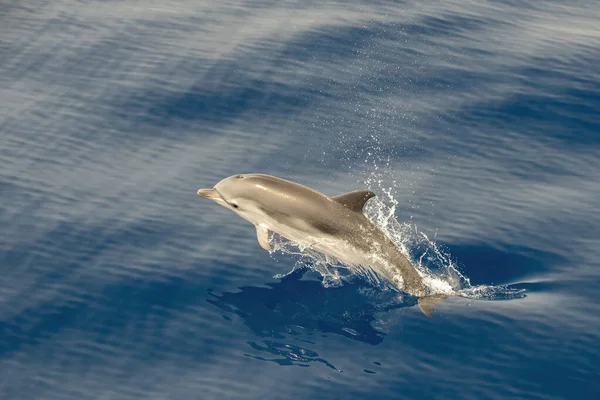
{"x": 286, "y": 199}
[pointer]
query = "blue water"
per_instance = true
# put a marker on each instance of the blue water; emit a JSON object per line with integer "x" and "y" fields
{"x": 479, "y": 120}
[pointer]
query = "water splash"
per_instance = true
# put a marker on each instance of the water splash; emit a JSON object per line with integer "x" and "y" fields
{"x": 440, "y": 273}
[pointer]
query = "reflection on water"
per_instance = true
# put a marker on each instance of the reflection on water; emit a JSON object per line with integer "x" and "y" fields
{"x": 288, "y": 354}
{"x": 298, "y": 309}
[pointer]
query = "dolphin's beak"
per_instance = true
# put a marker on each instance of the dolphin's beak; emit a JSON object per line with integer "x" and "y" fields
{"x": 211, "y": 194}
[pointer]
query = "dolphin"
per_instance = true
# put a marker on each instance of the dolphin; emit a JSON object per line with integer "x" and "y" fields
{"x": 335, "y": 226}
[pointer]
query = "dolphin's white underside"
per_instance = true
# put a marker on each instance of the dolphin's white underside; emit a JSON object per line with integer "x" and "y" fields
{"x": 307, "y": 237}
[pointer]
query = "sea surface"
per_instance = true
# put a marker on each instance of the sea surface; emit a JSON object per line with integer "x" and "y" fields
{"x": 477, "y": 123}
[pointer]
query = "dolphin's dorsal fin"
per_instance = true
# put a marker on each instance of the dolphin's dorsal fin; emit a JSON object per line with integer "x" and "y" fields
{"x": 354, "y": 200}
{"x": 262, "y": 234}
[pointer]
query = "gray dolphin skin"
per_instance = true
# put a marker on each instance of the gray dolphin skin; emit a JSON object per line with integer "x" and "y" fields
{"x": 335, "y": 226}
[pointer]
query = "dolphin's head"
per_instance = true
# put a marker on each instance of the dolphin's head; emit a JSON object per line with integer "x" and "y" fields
{"x": 226, "y": 193}
{"x": 234, "y": 193}
{"x": 261, "y": 198}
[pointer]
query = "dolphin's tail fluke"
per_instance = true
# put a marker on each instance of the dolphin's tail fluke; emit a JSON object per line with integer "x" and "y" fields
{"x": 426, "y": 303}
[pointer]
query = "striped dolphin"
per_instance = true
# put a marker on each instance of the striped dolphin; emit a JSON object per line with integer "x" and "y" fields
{"x": 335, "y": 226}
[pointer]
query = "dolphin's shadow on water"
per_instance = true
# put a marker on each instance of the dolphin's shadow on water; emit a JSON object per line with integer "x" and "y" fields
{"x": 300, "y": 308}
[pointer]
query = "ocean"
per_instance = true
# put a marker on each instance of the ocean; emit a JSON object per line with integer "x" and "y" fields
{"x": 476, "y": 123}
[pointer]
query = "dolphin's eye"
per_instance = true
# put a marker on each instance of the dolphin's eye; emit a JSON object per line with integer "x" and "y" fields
{"x": 234, "y": 205}
{"x": 239, "y": 176}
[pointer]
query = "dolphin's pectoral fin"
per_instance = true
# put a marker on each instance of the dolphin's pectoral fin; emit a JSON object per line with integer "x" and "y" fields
{"x": 262, "y": 234}
{"x": 354, "y": 200}
{"x": 426, "y": 303}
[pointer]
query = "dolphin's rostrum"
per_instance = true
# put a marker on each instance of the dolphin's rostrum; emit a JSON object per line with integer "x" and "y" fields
{"x": 335, "y": 226}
